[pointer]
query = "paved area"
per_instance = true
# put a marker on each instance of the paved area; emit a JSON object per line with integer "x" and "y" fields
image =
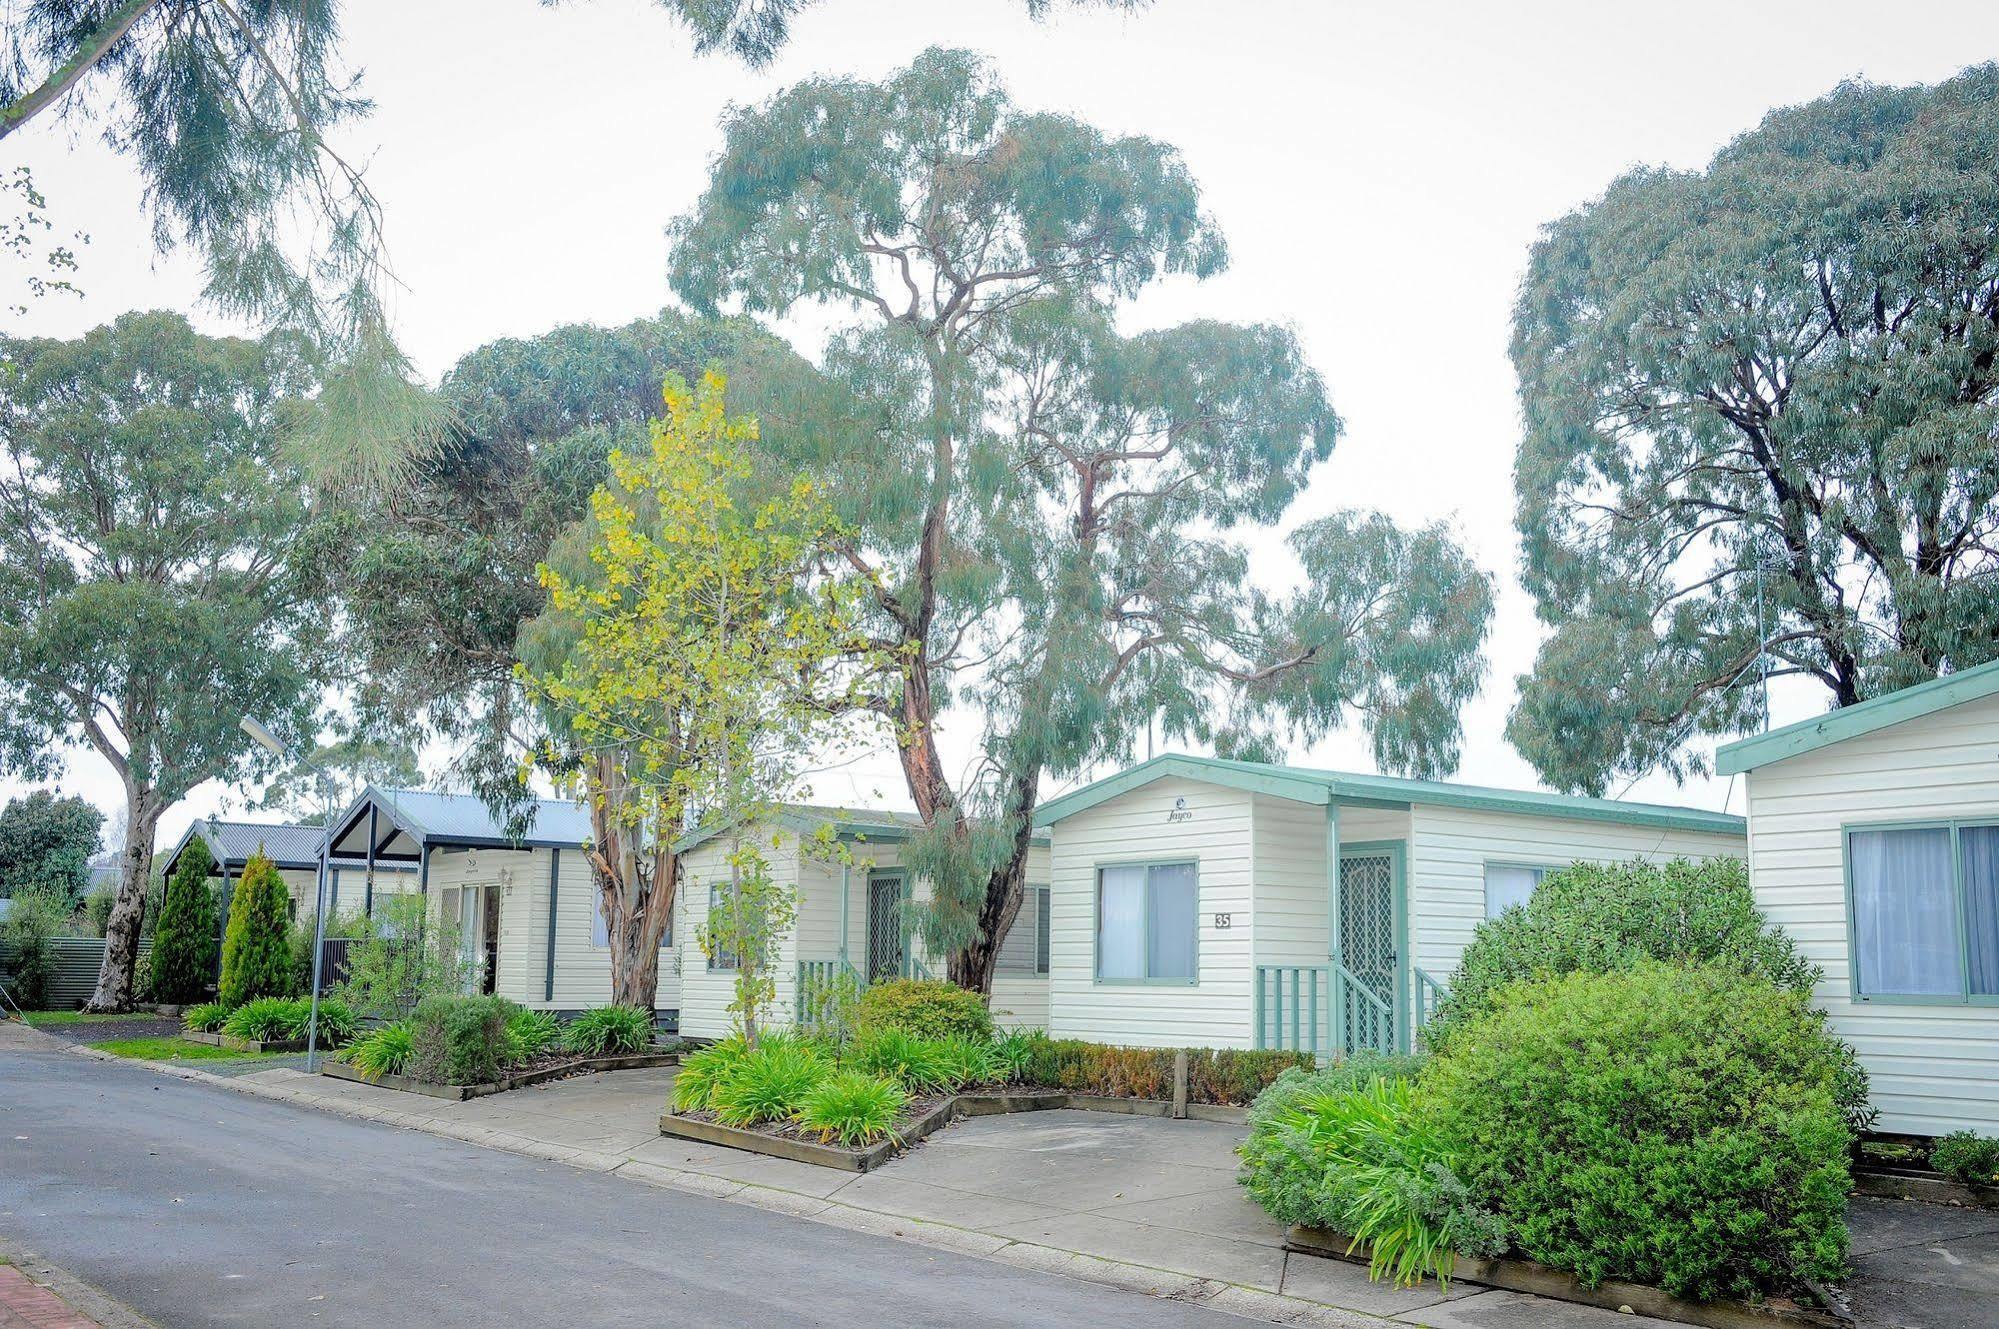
{"x": 26, "y": 1304}
{"x": 103, "y": 1030}
{"x": 200, "y": 1206}
{"x": 1928, "y": 1265}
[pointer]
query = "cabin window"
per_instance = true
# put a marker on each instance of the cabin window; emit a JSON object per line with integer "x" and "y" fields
{"x": 721, "y": 958}
{"x": 1924, "y": 906}
{"x": 1508, "y": 884}
{"x": 1025, "y": 949}
{"x": 1148, "y": 923}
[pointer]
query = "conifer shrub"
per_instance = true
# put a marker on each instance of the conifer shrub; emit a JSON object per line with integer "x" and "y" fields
{"x": 256, "y": 955}
{"x": 182, "y": 963}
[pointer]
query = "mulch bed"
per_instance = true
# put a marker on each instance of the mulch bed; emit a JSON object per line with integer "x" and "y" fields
{"x": 912, "y": 1112}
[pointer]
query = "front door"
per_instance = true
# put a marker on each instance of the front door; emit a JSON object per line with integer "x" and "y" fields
{"x": 1370, "y": 947}
{"x": 884, "y": 926}
{"x": 489, "y": 926}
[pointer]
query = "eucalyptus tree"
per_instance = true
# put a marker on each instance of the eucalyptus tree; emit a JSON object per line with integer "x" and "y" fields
{"x": 1762, "y": 401}
{"x": 441, "y": 594}
{"x": 1047, "y": 509}
{"x": 147, "y": 600}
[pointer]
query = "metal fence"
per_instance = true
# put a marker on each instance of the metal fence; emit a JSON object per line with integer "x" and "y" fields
{"x": 75, "y": 962}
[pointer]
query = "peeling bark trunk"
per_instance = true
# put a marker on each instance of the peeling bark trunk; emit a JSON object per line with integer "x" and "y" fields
{"x": 634, "y": 891}
{"x": 117, "y": 976}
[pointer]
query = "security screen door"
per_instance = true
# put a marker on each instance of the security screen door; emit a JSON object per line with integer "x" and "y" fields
{"x": 1368, "y": 945}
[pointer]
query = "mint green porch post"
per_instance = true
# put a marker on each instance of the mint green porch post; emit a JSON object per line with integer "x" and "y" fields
{"x": 846, "y": 887}
{"x": 1336, "y": 981}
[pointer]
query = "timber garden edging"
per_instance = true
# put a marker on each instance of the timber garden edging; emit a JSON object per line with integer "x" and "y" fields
{"x": 1515, "y": 1275}
{"x": 976, "y": 1103}
{"x": 236, "y": 1044}
{"x": 629, "y": 1061}
{"x": 1889, "y": 1183}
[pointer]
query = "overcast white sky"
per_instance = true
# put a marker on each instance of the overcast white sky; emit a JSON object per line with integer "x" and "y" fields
{"x": 1379, "y": 169}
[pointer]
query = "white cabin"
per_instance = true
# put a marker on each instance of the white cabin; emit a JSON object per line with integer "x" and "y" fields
{"x": 1193, "y": 900}
{"x": 1874, "y": 840}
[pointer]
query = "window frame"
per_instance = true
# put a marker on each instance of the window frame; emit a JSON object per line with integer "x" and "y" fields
{"x": 1954, "y": 825}
{"x": 1044, "y": 931}
{"x": 715, "y": 966}
{"x": 1144, "y": 922}
{"x": 1485, "y": 885}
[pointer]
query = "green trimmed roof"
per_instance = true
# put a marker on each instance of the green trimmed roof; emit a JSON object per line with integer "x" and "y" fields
{"x": 847, "y": 823}
{"x": 1309, "y": 786}
{"x": 1794, "y": 740}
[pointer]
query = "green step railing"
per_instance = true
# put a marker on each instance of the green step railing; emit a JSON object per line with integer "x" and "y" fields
{"x": 1320, "y": 1009}
{"x": 823, "y": 986}
{"x": 1430, "y": 995}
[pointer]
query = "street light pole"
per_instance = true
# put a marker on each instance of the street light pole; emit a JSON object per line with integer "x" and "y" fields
{"x": 265, "y": 739}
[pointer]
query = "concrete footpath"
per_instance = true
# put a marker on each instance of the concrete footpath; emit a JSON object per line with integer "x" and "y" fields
{"x": 1136, "y": 1203}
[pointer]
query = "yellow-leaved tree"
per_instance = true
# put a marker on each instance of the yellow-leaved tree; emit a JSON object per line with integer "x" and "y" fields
{"x": 696, "y": 661}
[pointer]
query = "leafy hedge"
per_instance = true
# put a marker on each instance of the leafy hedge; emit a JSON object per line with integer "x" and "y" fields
{"x": 925, "y": 1008}
{"x": 459, "y": 1040}
{"x": 1968, "y": 1157}
{"x": 1670, "y": 1125}
{"x": 1227, "y": 1076}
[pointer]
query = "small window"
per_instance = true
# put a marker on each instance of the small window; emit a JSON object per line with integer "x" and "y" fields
{"x": 1925, "y": 909}
{"x": 1024, "y": 949}
{"x": 1509, "y": 884}
{"x": 1148, "y": 923}
{"x": 721, "y": 959}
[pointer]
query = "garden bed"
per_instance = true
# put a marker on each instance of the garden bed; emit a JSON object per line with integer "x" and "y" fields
{"x": 1516, "y": 1275}
{"x": 236, "y": 1044}
{"x": 923, "y": 1117}
{"x": 556, "y": 1068}
{"x": 1919, "y": 1183}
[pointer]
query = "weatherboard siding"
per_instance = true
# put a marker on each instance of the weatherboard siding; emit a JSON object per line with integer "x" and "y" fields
{"x": 1134, "y": 828}
{"x": 1932, "y": 1068}
{"x": 1449, "y": 848}
{"x": 705, "y": 994}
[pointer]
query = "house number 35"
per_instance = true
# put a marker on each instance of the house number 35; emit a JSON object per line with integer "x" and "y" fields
{"x": 1223, "y": 921}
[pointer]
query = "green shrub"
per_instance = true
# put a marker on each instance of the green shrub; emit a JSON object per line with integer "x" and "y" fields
{"x": 336, "y": 1023}
{"x": 1102, "y": 1070}
{"x": 268, "y": 1020}
{"x": 399, "y": 957}
{"x": 207, "y": 1018}
{"x": 925, "y": 1008}
{"x": 1235, "y": 1076}
{"x": 768, "y": 1084}
{"x": 851, "y": 1108}
{"x": 384, "y": 1050}
{"x": 967, "y": 1063}
{"x": 1669, "y": 1125}
{"x": 920, "y": 1065}
{"x": 183, "y": 958}
{"x": 256, "y": 958}
{"x": 458, "y": 1040}
{"x": 701, "y": 1072}
{"x": 1346, "y": 1150}
{"x": 531, "y": 1033}
{"x": 1013, "y": 1054}
{"x": 605, "y": 1031}
{"x": 1602, "y": 917}
{"x": 1967, "y": 1157}
{"x": 36, "y": 917}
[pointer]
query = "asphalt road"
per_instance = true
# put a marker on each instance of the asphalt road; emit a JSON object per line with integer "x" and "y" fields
{"x": 198, "y": 1206}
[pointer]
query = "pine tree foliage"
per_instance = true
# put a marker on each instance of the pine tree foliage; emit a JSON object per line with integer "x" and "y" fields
{"x": 1048, "y": 509}
{"x": 1762, "y": 401}
{"x": 256, "y": 950}
{"x": 183, "y": 958}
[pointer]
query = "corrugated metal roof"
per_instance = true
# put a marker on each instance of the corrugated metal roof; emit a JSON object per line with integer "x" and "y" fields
{"x": 1314, "y": 786}
{"x": 441, "y": 818}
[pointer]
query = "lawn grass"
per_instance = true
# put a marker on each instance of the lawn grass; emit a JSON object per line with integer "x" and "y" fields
{"x": 174, "y": 1049}
{"x": 51, "y": 1019}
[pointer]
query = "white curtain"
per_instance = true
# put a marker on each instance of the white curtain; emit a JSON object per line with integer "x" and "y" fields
{"x": 1904, "y": 912}
{"x": 1121, "y": 923}
{"x": 1506, "y": 886}
{"x": 1978, "y": 851}
{"x": 1174, "y": 922}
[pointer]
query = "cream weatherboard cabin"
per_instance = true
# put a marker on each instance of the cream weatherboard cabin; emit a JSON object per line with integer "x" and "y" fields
{"x": 526, "y": 905}
{"x": 855, "y": 921}
{"x": 1874, "y": 840}
{"x": 1200, "y": 902}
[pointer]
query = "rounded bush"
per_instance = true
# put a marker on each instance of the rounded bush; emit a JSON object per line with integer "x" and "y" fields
{"x": 925, "y": 1008}
{"x": 1670, "y": 1125}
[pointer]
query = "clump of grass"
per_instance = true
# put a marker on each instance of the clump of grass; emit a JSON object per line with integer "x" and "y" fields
{"x": 608, "y": 1030}
{"x": 384, "y": 1050}
{"x": 851, "y": 1108}
{"x": 768, "y": 1085}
